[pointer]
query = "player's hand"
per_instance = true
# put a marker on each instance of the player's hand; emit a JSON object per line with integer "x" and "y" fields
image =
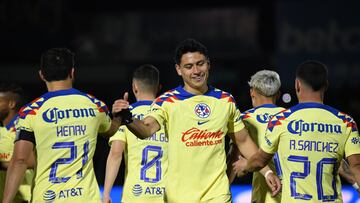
{"x": 106, "y": 199}
{"x": 273, "y": 183}
{"x": 120, "y": 104}
{"x": 239, "y": 166}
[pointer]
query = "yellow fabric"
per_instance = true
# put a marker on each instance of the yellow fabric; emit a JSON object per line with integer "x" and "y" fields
{"x": 7, "y": 137}
{"x": 255, "y": 121}
{"x": 311, "y": 140}
{"x": 196, "y": 126}
{"x": 146, "y": 161}
{"x": 65, "y": 125}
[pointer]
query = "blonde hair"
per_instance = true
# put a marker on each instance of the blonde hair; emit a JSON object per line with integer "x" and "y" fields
{"x": 266, "y": 82}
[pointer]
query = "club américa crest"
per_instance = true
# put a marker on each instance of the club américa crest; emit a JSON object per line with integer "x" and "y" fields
{"x": 202, "y": 110}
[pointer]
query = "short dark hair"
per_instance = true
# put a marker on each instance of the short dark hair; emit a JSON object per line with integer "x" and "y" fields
{"x": 16, "y": 91}
{"x": 189, "y": 45}
{"x": 313, "y": 73}
{"x": 149, "y": 76}
{"x": 56, "y": 64}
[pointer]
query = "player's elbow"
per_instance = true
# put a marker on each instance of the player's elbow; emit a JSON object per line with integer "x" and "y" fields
{"x": 116, "y": 153}
{"x": 19, "y": 161}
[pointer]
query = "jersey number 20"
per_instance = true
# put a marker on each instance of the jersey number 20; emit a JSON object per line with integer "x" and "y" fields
{"x": 319, "y": 178}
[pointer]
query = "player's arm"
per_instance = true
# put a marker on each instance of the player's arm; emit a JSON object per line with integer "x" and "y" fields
{"x": 231, "y": 158}
{"x": 115, "y": 124}
{"x": 4, "y": 165}
{"x": 345, "y": 172}
{"x": 17, "y": 168}
{"x": 140, "y": 128}
{"x": 354, "y": 162}
{"x": 144, "y": 128}
{"x": 250, "y": 151}
{"x": 112, "y": 167}
{"x": 248, "y": 148}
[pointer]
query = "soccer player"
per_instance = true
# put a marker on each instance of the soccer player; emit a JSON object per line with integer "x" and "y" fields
{"x": 264, "y": 91}
{"x": 146, "y": 160}
{"x": 11, "y": 100}
{"x": 197, "y": 117}
{"x": 61, "y": 126}
{"x": 311, "y": 139}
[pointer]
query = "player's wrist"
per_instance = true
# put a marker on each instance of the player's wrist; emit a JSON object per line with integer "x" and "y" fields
{"x": 267, "y": 173}
{"x": 356, "y": 186}
{"x": 125, "y": 115}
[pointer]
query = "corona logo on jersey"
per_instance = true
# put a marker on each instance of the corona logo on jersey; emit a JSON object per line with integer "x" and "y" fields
{"x": 202, "y": 110}
{"x": 53, "y": 115}
{"x": 196, "y": 137}
{"x": 299, "y": 126}
{"x": 263, "y": 118}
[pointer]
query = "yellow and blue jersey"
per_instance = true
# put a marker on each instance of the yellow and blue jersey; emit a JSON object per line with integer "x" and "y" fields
{"x": 7, "y": 138}
{"x": 311, "y": 140}
{"x": 255, "y": 121}
{"x": 145, "y": 160}
{"x": 63, "y": 125}
{"x": 196, "y": 126}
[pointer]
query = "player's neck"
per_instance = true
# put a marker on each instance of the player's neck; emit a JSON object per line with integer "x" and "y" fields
{"x": 315, "y": 97}
{"x": 197, "y": 90}
{"x": 59, "y": 85}
{"x": 142, "y": 96}
{"x": 8, "y": 118}
{"x": 263, "y": 100}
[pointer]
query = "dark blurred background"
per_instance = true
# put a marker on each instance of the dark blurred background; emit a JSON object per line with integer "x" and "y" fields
{"x": 110, "y": 39}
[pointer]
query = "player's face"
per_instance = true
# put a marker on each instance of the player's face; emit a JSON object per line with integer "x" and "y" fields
{"x": 4, "y": 106}
{"x": 194, "y": 69}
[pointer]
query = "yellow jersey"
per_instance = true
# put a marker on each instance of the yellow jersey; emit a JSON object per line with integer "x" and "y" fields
{"x": 255, "y": 121}
{"x": 63, "y": 125}
{"x": 196, "y": 126}
{"x": 7, "y": 138}
{"x": 145, "y": 160}
{"x": 311, "y": 140}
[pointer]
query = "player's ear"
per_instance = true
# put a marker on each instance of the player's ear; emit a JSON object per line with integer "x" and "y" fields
{"x": 41, "y": 76}
{"x": 297, "y": 85}
{"x": 177, "y": 67}
{"x": 251, "y": 92}
{"x": 72, "y": 72}
{"x": 12, "y": 104}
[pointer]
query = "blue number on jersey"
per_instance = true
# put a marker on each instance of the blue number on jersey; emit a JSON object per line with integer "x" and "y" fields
{"x": 319, "y": 178}
{"x": 73, "y": 155}
{"x": 156, "y": 161}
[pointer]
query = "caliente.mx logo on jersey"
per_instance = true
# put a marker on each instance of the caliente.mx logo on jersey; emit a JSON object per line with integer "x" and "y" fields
{"x": 202, "y": 110}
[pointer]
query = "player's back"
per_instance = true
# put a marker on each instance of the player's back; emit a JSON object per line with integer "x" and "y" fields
{"x": 313, "y": 140}
{"x": 146, "y": 161}
{"x": 256, "y": 120}
{"x": 65, "y": 125}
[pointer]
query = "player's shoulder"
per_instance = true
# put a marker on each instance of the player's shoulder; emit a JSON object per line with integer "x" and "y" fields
{"x": 33, "y": 107}
{"x": 220, "y": 95}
